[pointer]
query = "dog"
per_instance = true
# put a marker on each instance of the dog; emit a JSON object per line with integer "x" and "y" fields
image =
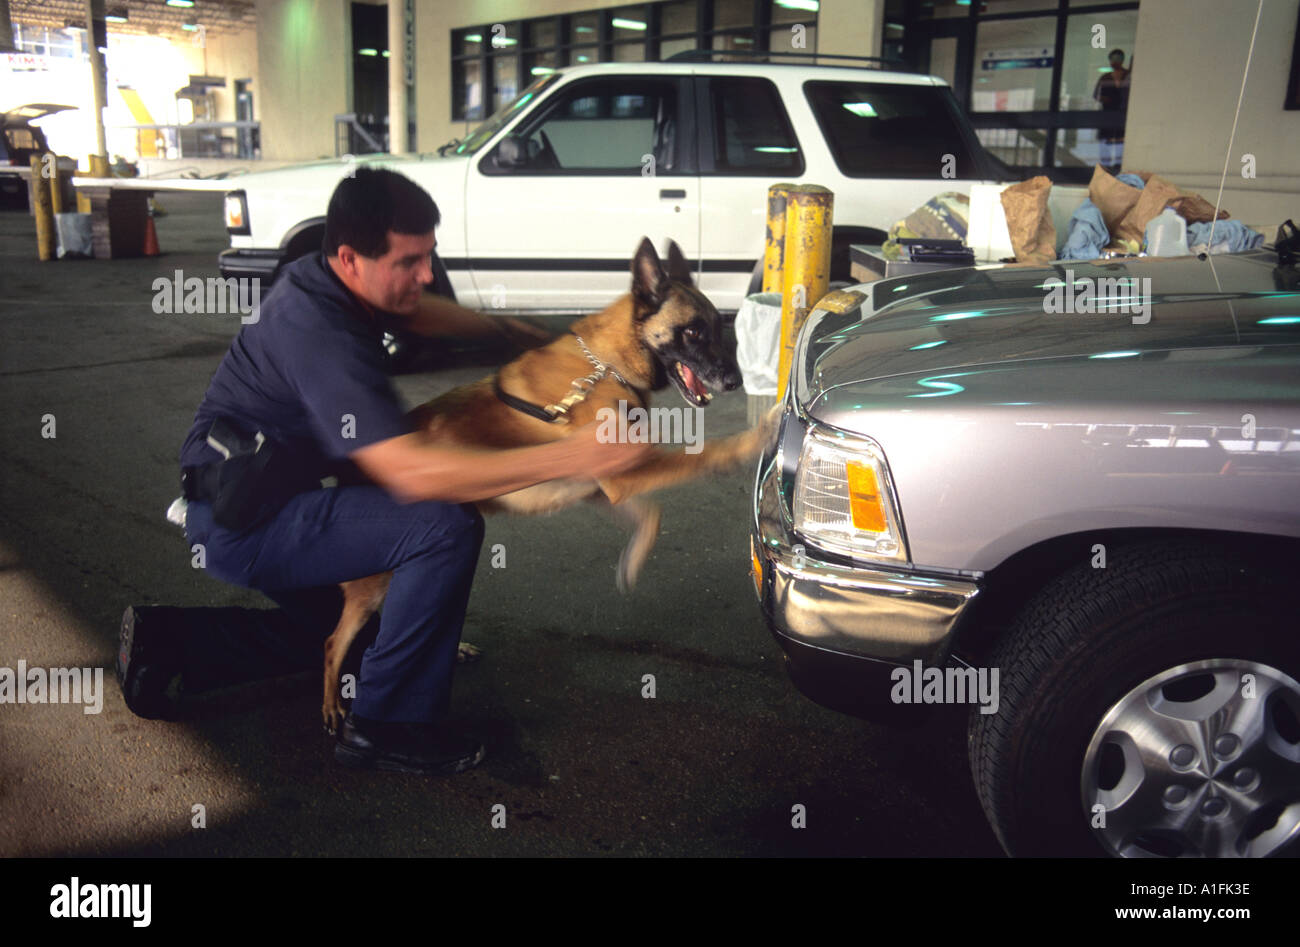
{"x": 663, "y": 332}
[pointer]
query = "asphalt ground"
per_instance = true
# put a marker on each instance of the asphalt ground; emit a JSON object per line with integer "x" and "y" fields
{"x": 582, "y": 762}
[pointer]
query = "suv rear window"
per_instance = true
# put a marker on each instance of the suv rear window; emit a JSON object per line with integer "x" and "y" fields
{"x": 752, "y": 134}
{"x": 888, "y": 130}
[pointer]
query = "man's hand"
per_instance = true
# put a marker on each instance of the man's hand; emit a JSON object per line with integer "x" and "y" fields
{"x": 595, "y": 458}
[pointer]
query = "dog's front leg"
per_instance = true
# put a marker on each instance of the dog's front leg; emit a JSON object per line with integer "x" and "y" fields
{"x": 668, "y": 467}
{"x": 643, "y": 517}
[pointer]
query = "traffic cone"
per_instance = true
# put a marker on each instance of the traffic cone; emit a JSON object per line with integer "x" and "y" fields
{"x": 150, "y": 238}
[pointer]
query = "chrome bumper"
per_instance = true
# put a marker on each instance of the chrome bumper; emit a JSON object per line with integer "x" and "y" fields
{"x": 858, "y": 612}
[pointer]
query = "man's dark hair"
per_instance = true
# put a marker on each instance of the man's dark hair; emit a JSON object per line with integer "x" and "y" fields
{"x": 1115, "y": 52}
{"x": 373, "y": 201}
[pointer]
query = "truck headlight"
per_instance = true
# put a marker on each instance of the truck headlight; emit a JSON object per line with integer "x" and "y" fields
{"x": 844, "y": 499}
{"x": 237, "y": 212}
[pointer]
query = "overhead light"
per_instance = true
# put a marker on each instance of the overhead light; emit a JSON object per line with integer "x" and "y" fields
{"x": 809, "y": 5}
{"x": 116, "y": 15}
{"x": 621, "y": 24}
{"x": 584, "y": 29}
{"x": 367, "y": 51}
{"x": 180, "y": 3}
{"x": 384, "y": 54}
{"x": 190, "y": 27}
{"x": 541, "y": 70}
{"x": 473, "y": 37}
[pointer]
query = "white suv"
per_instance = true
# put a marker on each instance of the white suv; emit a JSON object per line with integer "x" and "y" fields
{"x": 543, "y": 204}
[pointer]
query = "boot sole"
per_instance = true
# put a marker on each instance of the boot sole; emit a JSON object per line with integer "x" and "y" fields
{"x": 356, "y": 759}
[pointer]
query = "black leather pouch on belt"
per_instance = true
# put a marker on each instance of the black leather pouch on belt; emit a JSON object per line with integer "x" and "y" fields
{"x": 250, "y": 485}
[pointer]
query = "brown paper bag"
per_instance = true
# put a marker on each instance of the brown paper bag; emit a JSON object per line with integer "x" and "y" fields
{"x": 1112, "y": 196}
{"x": 1195, "y": 209}
{"x": 1033, "y": 235}
{"x": 1151, "y": 201}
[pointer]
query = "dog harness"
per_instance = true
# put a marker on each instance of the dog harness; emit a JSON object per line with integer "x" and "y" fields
{"x": 557, "y": 413}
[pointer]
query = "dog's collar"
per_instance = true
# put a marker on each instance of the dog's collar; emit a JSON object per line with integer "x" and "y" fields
{"x": 558, "y": 412}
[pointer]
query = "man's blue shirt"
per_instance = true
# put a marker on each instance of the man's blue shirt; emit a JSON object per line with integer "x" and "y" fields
{"x": 309, "y": 374}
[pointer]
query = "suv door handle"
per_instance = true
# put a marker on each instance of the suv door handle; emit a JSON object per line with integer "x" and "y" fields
{"x": 672, "y": 194}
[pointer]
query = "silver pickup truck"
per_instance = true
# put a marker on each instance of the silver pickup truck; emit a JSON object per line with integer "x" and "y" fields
{"x": 1069, "y": 497}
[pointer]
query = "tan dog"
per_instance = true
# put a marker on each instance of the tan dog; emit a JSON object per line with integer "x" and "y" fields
{"x": 663, "y": 331}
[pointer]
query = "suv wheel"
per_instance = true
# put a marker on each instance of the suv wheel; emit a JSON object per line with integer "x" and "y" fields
{"x": 1148, "y": 708}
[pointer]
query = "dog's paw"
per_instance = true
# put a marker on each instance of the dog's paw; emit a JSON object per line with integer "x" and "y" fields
{"x": 466, "y": 653}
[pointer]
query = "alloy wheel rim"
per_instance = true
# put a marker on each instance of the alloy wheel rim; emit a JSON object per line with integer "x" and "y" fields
{"x": 1199, "y": 760}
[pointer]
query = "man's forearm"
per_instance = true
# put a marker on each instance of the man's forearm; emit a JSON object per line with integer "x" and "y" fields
{"x": 415, "y": 470}
{"x": 438, "y": 316}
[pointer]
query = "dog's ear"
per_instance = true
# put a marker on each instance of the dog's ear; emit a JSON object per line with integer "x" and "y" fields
{"x": 649, "y": 280}
{"x": 679, "y": 271}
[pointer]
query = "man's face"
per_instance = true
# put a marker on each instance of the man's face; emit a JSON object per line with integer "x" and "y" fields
{"x": 1116, "y": 60}
{"x": 393, "y": 282}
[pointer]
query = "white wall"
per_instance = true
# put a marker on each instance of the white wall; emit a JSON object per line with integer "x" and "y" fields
{"x": 1186, "y": 79}
{"x": 304, "y": 73}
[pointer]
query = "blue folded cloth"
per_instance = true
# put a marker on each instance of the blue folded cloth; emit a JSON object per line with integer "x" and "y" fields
{"x": 1230, "y": 236}
{"x": 1087, "y": 234}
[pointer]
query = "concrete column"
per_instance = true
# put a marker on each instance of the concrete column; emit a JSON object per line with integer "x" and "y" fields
{"x": 6, "y": 29}
{"x": 96, "y": 77}
{"x": 397, "y": 114}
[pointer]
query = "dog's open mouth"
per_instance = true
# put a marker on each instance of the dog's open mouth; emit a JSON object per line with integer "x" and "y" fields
{"x": 689, "y": 384}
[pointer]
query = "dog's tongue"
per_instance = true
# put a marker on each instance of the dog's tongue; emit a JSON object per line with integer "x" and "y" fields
{"x": 693, "y": 384}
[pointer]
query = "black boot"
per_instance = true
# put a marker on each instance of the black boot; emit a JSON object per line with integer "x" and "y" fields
{"x": 431, "y": 748}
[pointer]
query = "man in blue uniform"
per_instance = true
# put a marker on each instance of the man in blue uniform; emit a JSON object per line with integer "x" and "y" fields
{"x": 302, "y": 394}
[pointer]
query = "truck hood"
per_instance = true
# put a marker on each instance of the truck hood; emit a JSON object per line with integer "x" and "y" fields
{"x": 993, "y": 321}
{"x": 312, "y": 173}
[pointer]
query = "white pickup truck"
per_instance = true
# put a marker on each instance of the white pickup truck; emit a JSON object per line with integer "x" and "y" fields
{"x": 543, "y": 205}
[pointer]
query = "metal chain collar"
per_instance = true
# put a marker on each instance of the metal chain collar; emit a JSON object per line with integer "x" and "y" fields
{"x": 584, "y": 386}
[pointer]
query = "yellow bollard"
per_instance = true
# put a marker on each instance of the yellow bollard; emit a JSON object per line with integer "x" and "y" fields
{"x": 98, "y": 168}
{"x": 43, "y": 210}
{"x": 774, "y": 246}
{"x": 806, "y": 266}
{"x": 56, "y": 186}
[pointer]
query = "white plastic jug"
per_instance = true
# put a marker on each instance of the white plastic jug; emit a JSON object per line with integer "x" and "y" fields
{"x": 1166, "y": 234}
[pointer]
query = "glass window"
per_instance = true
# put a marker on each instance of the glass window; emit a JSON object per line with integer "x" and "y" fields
{"x": 584, "y": 54}
{"x": 541, "y": 64}
{"x": 677, "y": 17}
{"x": 795, "y": 12}
{"x": 723, "y": 42}
{"x": 467, "y": 42}
{"x": 468, "y": 92}
{"x": 732, "y": 13}
{"x": 943, "y": 58}
{"x": 543, "y": 32}
{"x": 751, "y": 131}
{"x": 783, "y": 39}
{"x": 890, "y": 130}
{"x": 628, "y": 23}
{"x": 629, "y": 52}
{"x": 584, "y": 27}
{"x": 1017, "y": 147}
{"x": 1017, "y": 6}
{"x": 611, "y": 125}
{"x": 1088, "y": 80}
{"x": 669, "y": 47}
{"x": 505, "y": 80}
{"x": 943, "y": 9}
{"x": 1013, "y": 65}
